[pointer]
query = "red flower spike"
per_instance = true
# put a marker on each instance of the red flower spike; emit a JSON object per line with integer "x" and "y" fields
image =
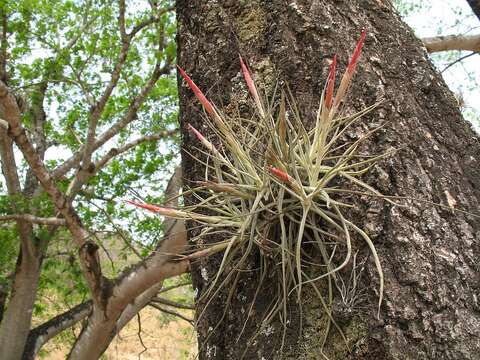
{"x": 198, "y": 93}
{"x": 331, "y": 83}
{"x": 251, "y": 85}
{"x": 283, "y": 176}
{"x": 167, "y": 212}
{"x": 347, "y": 76}
{"x": 202, "y": 138}
{"x": 197, "y": 133}
{"x": 153, "y": 208}
{"x": 356, "y": 53}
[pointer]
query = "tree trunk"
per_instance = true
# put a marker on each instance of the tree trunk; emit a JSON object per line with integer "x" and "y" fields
{"x": 428, "y": 252}
{"x": 15, "y": 326}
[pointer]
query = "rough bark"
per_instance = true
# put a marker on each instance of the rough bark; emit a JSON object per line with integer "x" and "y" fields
{"x": 428, "y": 252}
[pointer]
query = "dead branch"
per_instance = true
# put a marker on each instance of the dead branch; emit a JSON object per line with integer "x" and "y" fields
{"x": 460, "y": 59}
{"x": 139, "y": 335}
{"x": 170, "y": 312}
{"x": 452, "y": 42}
{"x": 171, "y": 303}
{"x": 168, "y": 288}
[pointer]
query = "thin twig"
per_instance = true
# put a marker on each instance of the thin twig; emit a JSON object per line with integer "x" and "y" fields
{"x": 172, "y": 303}
{"x": 458, "y": 60}
{"x": 139, "y": 334}
{"x": 170, "y": 312}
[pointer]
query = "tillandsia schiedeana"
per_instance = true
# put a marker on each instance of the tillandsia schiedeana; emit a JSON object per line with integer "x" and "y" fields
{"x": 271, "y": 187}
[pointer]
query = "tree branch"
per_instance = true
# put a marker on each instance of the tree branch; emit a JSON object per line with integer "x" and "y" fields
{"x": 9, "y": 169}
{"x": 9, "y": 165}
{"x": 139, "y": 283}
{"x": 162, "y": 309}
{"x": 458, "y": 60}
{"x": 130, "y": 115}
{"x": 44, "y": 332}
{"x": 33, "y": 219}
{"x": 38, "y": 112}
{"x": 150, "y": 20}
{"x": 3, "y": 46}
{"x": 147, "y": 273}
{"x": 134, "y": 105}
{"x": 167, "y": 302}
{"x": 168, "y": 288}
{"x": 452, "y": 42}
{"x": 97, "y": 110}
{"x": 39, "y": 117}
{"x": 117, "y": 151}
{"x": 121, "y": 19}
{"x": 17, "y": 133}
{"x": 135, "y": 306}
{"x": 16, "y": 320}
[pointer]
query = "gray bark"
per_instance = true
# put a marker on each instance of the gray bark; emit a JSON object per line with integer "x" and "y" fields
{"x": 428, "y": 252}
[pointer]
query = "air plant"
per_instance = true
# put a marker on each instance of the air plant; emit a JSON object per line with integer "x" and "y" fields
{"x": 272, "y": 189}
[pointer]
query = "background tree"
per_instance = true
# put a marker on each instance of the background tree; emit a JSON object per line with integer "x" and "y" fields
{"x": 86, "y": 92}
{"x": 427, "y": 246}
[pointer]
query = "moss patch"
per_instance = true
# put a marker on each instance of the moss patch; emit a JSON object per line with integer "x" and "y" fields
{"x": 251, "y": 24}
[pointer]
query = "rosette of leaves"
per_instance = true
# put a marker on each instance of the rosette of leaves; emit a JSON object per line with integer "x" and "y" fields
{"x": 269, "y": 190}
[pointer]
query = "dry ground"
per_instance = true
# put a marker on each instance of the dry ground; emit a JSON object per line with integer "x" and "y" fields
{"x": 175, "y": 340}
